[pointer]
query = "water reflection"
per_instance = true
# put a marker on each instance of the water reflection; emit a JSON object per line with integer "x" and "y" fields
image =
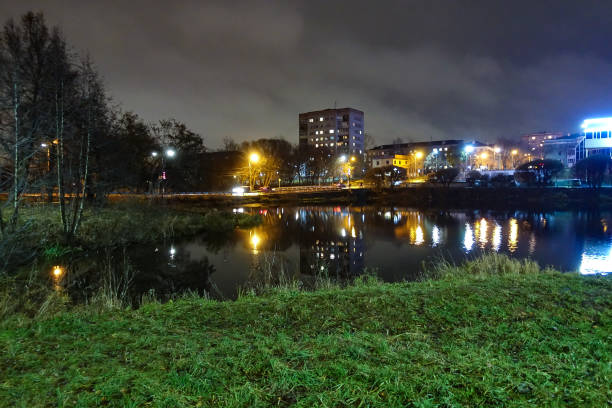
{"x": 596, "y": 259}
{"x": 342, "y": 241}
{"x": 513, "y": 235}
{"x": 468, "y": 241}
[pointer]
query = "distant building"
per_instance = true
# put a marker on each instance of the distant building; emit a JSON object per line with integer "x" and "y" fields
{"x": 429, "y": 156}
{"x": 567, "y": 149}
{"x": 598, "y": 136}
{"x": 338, "y": 131}
{"x": 383, "y": 155}
{"x": 534, "y": 142}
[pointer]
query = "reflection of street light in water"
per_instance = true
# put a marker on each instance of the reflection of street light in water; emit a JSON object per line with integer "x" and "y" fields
{"x": 57, "y": 272}
{"x": 513, "y": 237}
{"x": 255, "y": 240}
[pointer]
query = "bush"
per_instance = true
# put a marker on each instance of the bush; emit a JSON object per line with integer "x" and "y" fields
{"x": 443, "y": 176}
{"x": 503, "y": 180}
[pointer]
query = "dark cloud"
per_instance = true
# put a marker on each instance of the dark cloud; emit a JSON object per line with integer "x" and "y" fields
{"x": 419, "y": 69}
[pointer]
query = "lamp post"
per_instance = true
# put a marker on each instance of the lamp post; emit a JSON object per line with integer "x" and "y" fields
{"x": 468, "y": 150}
{"x": 346, "y": 167}
{"x": 417, "y": 155}
{"x": 253, "y": 158}
{"x": 497, "y": 151}
{"x": 169, "y": 153}
{"x": 514, "y": 152}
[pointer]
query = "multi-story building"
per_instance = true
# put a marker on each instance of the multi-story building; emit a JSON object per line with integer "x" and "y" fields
{"x": 533, "y": 143}
{"x": 338, "y": 131}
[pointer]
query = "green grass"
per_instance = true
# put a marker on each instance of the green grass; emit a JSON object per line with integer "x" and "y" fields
{"x": 508, "y": 335}
{"x": 39, "y": 233}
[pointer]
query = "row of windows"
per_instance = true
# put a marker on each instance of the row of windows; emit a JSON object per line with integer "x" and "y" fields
{"x": 332, "y": 144}
{"x": 598, "y": 135}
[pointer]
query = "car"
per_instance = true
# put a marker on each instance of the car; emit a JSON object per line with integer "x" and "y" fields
{"x": 341, "y": 185}
{"x": 265, "y": 189}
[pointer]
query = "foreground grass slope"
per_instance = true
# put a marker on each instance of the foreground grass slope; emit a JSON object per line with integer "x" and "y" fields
{"x": 536, "y": 339}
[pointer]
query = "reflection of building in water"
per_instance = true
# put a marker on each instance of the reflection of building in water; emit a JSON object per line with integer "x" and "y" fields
{"x": 335, "y": 244}
{"x": 410, "y": 225}
{"x": 596, "y": 258}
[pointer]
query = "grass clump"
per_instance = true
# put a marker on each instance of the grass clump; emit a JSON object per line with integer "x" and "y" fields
{"x": 480, "y": 337}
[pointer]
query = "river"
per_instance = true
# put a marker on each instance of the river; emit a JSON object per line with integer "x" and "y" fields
{"x": 342, "y": 242}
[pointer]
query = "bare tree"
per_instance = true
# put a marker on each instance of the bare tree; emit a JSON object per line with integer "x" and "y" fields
{"x": 23, "y": 71}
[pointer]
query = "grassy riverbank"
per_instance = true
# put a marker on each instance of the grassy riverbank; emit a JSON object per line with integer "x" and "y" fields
{"x": 39, "y": 230}
{"x": 493, "y": 332}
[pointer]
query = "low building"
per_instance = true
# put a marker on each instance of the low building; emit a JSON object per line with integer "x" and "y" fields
{"x": 597, "y": 136}
{"x": 384, "y": 155}
{"x": 567, "y": 149}
{"x": 424, "y": 157}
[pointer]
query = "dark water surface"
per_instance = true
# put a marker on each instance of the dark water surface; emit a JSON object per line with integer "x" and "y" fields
{"x": 341, "y": 242}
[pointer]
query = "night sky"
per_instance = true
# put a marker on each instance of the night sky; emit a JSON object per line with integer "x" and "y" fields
{"x": 418, "y": 69}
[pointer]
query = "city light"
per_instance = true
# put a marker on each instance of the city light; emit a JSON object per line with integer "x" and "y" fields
{"x": 255, "y": 240}
{"x": 57, "y": 271}
{"x": 514, "y": 152}
{"x": 43, "y": 145}
{"x": 170, "y": 153}
{"x": 469, "y": 148}
{"x": 418, "y": 155}
{"x": 597, "y": 125}
{"x": 254, "y": 158}
{"x": 484, "y": 155}
{"x": 342, "y": 158}
{"x": 154, "y": 154}
{"x": 497, "y": 149}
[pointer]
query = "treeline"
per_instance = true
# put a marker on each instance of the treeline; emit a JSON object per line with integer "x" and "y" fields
{"x": 62, "y": 138}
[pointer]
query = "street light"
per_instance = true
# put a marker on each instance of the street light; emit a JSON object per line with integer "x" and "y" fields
{"x": 253, "y": 158}
{"x": 496, "y": 151}
{"x": 417, "y": 155}
{"x": 514, "y": 152}
{"x": 170, "y": 153}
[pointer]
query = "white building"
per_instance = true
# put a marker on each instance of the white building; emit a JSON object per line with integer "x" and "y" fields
{"x": 598, "y": 136}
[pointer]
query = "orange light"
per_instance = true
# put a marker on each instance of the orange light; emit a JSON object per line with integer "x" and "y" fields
{"x": 57, "y": 271}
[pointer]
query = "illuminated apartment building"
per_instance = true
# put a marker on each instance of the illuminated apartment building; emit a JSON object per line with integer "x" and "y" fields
{"x": 338, "y": 131}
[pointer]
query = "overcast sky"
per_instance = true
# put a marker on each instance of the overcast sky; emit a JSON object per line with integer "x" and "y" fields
{"x": 420, "y": 70}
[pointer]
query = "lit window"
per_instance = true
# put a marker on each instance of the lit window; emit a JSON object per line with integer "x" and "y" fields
{"x": 311, "y": 120}
{"x": 360, "y": 132}
{"x": 331, "y": 130}
{"x": 317, "y": 139}
{"x": 321, "y": 119}
{"x": 317, "y": 145}
{"x": 532, "y": 137}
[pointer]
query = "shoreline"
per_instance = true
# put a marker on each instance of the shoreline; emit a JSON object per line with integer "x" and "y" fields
{"x": 541, "y": 340}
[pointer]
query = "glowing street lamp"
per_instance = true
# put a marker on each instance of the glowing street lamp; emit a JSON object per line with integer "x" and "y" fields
{"x": 514, "y": 152}
{"x": 417, "y": 155}
{"x": 169, "y": 153}
{"x": 253, "y": 158}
